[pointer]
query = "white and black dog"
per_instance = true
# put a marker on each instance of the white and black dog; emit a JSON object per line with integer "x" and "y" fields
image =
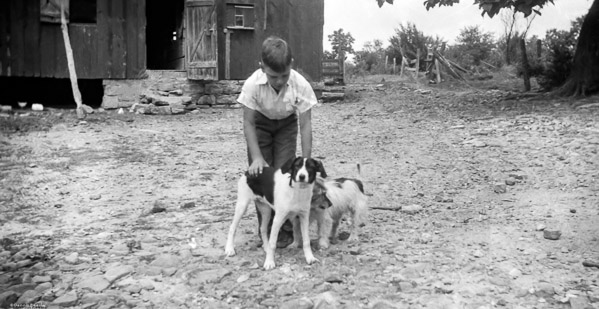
{"x": 287, "y": 191}
{"x": 347, "y": 197}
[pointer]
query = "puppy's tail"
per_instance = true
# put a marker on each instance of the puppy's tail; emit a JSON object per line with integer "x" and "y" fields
{"x": 358, "y": 178}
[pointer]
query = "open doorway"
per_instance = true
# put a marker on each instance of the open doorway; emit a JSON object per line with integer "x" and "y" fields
{"x": 164, "y": 35}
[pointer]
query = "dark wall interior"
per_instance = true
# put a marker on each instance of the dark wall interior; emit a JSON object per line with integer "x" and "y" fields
{"x": 164, "y": 18}
{"x": 51, "y": 92}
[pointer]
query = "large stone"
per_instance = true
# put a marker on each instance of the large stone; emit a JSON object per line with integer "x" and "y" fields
{"x": 300, "y": 303}
{"x": 326, "y": 300}
{"x": 43, "y": 286}
{"x": 166, "y": 260}
{"x": 66, "y": 300}
{"x": 29, "y": 297}
{"x": 208, "y": 276}
{"x": 41, "y": 279}
{"x": 117, "y": 272}
{"x": 223, "y": 87}
{"x": 95, "y": 283}
{"x": 411, "y": 209}
{"x": 93, "y": 298}
{"x": 8, "y": 298}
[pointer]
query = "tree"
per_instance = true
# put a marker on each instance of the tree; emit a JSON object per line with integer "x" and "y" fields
{"x": 341, "y": 41}
{"x": 584, "y": 76}
{"x": 407, "y": 40}
{"x": 371, "y": 55}
{"x": 475, "y": 45}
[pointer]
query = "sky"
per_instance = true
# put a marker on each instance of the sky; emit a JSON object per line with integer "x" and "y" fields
{"x": 367, "y": 22}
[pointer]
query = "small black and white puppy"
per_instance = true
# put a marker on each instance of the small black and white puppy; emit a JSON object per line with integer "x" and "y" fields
{"x": 347, "y": 197}
{"x": 288, "y": 191}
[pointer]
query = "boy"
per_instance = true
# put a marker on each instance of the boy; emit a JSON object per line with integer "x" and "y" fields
{"x": 272, "y": 98}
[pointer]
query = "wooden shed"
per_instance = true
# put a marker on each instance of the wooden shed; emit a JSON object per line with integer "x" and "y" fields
{"x": 117, "y": 39}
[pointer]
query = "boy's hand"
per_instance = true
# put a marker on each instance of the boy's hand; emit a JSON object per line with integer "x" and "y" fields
{"x": 257, "y": 166}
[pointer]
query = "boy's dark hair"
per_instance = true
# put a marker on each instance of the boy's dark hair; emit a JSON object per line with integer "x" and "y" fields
{"x": 276, "y": 54}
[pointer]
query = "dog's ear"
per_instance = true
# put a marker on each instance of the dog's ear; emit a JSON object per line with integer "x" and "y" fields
{"x": 288, "y": 166}
{"x": 320, "y": 169}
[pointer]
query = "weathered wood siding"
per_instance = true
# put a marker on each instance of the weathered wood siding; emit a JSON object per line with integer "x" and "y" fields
{"x": 300, "y": 23}
{"x": 114, "y": 47}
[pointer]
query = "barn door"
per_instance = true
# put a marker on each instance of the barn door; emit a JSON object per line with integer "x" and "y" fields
{"x": 201, "y": 36}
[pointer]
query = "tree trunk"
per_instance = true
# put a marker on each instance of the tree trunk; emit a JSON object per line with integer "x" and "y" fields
{"x": 584, "y": 77}
{"x": 525, "y": 65}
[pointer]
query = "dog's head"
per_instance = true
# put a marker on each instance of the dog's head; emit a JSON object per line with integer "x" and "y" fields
{"x": 319, "y": 195}
{"x": 303, "y": 170}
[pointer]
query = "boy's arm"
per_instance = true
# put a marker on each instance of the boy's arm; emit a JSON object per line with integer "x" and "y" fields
{"x": 249, "y": 130}
{"x": 305, "y": 120}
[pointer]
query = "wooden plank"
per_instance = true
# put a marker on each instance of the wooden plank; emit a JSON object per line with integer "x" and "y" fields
{"x": 131, "y": 35}
{"x": 135, "y": 23}
{"x": 103, "y": 52}
{"x": 192, "y": 3}
{"x": 84, "y": 41}
{"x": 4, "y": 35}
{"x": 141, "y": 40}
{"x": 53, "y": 56}
{"x": 17, "y": 37}
{"x": 118, "y": 44}
{"x": 31, "y": 35}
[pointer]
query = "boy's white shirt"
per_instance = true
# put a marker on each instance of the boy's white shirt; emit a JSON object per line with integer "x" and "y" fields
{"x": 295, "y": 97}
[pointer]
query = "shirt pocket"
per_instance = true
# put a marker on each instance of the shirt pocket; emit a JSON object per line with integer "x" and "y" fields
{"x": 290, "y": 101}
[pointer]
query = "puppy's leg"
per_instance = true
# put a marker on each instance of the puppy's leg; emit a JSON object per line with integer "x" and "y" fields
{"x": 359, "y": 216}
{"x": 324, "y": 228}
{"x": 304, "y": 219}
{"x": 244, "y": 197}
{"x": 335, "y": 224}
{"x": 297, "y": 236}
{"x": 280, "y": 217}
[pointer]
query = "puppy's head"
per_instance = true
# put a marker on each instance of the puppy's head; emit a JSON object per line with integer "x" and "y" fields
{"x": 303, "y": 170}
{"x": 319, "y": 195}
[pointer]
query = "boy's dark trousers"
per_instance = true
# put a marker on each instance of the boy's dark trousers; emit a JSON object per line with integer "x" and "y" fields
{"x": 278, "y": 143}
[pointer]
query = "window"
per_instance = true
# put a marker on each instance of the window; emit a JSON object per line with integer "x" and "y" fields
{"x": 240, "y": 16}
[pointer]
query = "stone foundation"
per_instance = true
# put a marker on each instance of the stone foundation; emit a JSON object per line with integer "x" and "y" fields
{"x": 170, "y": 92}
{"x": 166, "y": 92}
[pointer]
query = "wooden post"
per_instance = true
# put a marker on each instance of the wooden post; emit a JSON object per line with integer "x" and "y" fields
{"x": 342, "y": 65}
{"x": 386, "y": 63}
{"x": 525, "y": 65}
{"x": 71, "y": 63}
{"x": 403, "y": 64}
{"x": 394, "y": 64}
{"x": 417, "y": 63}
{"x": 228, "y": 53}
{"x": 438, "y": 70}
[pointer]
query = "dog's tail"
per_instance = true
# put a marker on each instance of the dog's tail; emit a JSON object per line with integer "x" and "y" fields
{"x": 358, "y": 179}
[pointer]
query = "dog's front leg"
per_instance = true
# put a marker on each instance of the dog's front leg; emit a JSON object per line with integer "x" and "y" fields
{"x": 280, "y": 217}
{"x": 304, "y": 219}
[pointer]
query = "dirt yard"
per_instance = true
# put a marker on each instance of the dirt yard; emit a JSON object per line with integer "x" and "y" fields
{"x": 480, "y": 198}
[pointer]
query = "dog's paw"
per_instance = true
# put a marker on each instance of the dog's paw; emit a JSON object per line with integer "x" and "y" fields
{"x": 353, "y": 238}
{"x": 312, "y": 260}
{"x": 293, "y": 245}
{"x": 323, "y": 244}
{"x": 229, "y": 251}
{"x": 268, "y": 265}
